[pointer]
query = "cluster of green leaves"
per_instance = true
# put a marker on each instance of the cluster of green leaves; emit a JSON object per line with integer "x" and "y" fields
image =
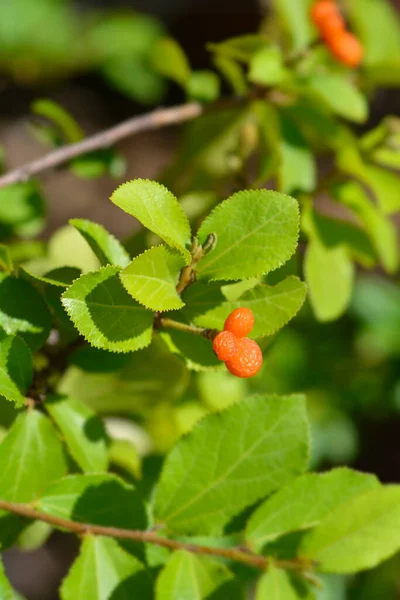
{"x": 342, "y": 520}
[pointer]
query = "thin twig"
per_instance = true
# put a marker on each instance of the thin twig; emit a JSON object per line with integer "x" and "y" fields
{"x": 208, "y": 334}
{"x": 246, "y": 557}
{"x": 152, "y": 120}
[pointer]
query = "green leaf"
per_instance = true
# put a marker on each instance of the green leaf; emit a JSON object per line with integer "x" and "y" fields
{"x": 380, "y": 229}
{"x": 377, "y": 25}
{"x": 31, "y": 457}
{"x": 261, "y": 236}
{"x": 272, "y": 306}
{"x": 295, "y": 20}
{"x": 102, "y": 571}
{"x": 329, "y": 274}
{"x": 151, "y": 278}
{"x": 23, "y": 311}
{"x": 16, "y": 368}
{"x": 132, "y": 76}
{"x": 266, "y": 67}
{"x": 60, "y": 117}
{"x": 190, "y": 577}
{"x": 304, "y": 503}
{"x": 157, "y": 209}
{"x": 5, "y": 259}
{"x": 169, "y": 59}
{"x": 203, "y": 86}
{"x": 275, "y": 585}
{"x": 358, "y": 535}
{"x": 149, "y": 376}
{"x": 104, "y": 313}
{"x": 105, "y": 246}
{"x": 196, "y": 351}
{"x": 124, "y": 455}
{"x": 94, "y": 360}
{"x": 100, "y": 499}
{"x": 83, "y": 432}
{"x": 233, "y": 73}
{"x": 297, "y": 169}
{"x": 229, "y": 461}
{"x": 339, "y": 95}
{"x": 61, "y": 277}
{"x": 200, "y": 298}
{"x": 6, "y": 591}
{"x": 21, "y": 209}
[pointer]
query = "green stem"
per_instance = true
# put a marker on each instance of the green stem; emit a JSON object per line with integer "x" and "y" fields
{"x": 208, "y": 334}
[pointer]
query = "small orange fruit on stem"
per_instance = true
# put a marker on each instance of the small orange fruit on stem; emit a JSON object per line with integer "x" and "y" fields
{"x": 225, "y": 345}
{"x": 346, "y": 48}
{"x": 240, "y": 322}
{"x": 322, "y": 11}
{"x": 248, "y": 359}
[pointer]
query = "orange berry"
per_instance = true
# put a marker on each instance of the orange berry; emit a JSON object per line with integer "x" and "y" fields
{"x": 322, "y": 11}
{"x": 347, "y": 49}
{"x": 225, "y": 345}
{"x": 240, "y": 322}
{"x": 248, "y": 360}
{"x": 332, "y": 27}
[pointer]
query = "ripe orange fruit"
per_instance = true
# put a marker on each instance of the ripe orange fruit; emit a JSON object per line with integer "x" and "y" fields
{"x": 240, "y": 322}
{"x": 347, "y": 49}
{"x": 248, "y": 359}
{"x": 225, "y": 345}
{"x": 322, "y": 11}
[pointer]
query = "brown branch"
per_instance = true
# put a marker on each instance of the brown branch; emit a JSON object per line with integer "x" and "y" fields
{"x": 152, "y": 120}
{"x": 149, "y": 537}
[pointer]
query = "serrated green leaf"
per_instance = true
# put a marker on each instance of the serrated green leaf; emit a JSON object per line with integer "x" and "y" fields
{"x": 339, "y": 95}
{"x": 304, "y": 503}
{"x": 106, "y": 247}
{"x": 200, "y": 298}
{"x": 358, "y": 535}
{"x": 5, "y": 259}
{"x": 266, "y": 67}
{"x": 102, "y": 571}
{"x": 151, "y": 278}
{"x": 149, "y": 376}
{"x": 203, "y": 86}
{"x": 272, "y": 306}
{"x": 6, "y": 591}
{"x": 100, "y": 499}
{"x": 61, "y": 277}
{"x": 83, "y": 432}
{"x": 275, "y": 585}
{"x": 196, "y": 351}
{"x": 256, "y": 231}
{"x": 380, "y": 229}
{"x": 169, "y": 59}
{"x": 295, "y": 20}
{"x": 229, "y": 461}
{"x": 157, "y": 209}
{"x": 31, "y": 457}
{"x": 23, "y": 311}
{"x": 189, "y": 577}
{"x": 104, "y": 313}
{"x": 16, "y": 368}
{"x": 329, "y": 274}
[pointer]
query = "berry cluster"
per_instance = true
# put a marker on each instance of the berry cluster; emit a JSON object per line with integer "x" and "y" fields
{"x": 242, "y": 356}
{"x": 332, "y": 27}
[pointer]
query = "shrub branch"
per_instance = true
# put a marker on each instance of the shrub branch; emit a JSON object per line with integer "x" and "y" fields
{"x": 239, "y": 555}
{"x": 152, "y": 120}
